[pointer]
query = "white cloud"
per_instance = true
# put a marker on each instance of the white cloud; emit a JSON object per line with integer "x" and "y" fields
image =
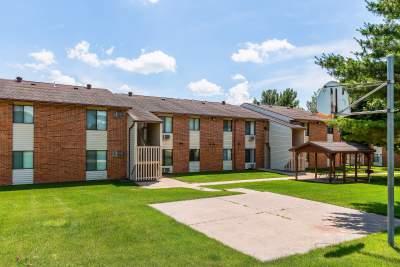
{"x": 272, "y": 51}
{"x": 57, "y": 77}
{"x": 259, "y": 53}
{"x": 238, "y": 77}
{"x": 81, "y": 52}
{"x": 147, "y": 63}
{"x": 152, "y": 1}
{"x": 110, "y": 50}
{"x": 43, "y": 58}
{"x": 205, "y": 88}
{"x": 239, "y": 94}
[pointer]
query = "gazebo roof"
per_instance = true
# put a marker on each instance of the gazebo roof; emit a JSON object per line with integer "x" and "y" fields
{"x": 332, "y": 147}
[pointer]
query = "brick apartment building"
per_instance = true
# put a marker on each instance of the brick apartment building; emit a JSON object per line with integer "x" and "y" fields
{"x": 290, "y": 127}
{"x": 57, "y": 133}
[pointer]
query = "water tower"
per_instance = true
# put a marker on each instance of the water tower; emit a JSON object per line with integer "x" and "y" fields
{"x": 332, "y": 98}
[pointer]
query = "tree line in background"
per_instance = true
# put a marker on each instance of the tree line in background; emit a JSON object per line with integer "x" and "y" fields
{"x": 287, "y": 98}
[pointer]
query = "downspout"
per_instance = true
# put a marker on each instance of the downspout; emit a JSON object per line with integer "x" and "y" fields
{"x": 129, "y": 149}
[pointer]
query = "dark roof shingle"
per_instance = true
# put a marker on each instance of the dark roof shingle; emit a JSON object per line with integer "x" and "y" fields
{"x": 293, "y": 113}
{"x": 57, "y": 93}
{"x": 190, "y": 107}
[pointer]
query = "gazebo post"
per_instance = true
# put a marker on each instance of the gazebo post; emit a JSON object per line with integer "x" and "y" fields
{"x": 330, "y": 168}
{"x": 344, "y": 167}
{"x": 316, "y": 164}
{"x": 369, "y": 167}
{"x": 296, "y": 169}
{"x": 334, "y": 165}
{"x": 355, "y": 167}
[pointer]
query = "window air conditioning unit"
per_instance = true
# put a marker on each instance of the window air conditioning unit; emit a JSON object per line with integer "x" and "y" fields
{"x": 166, "y": 136}
{"x": 250, "y": 166}
{"x": 166, "y": 169}
{"x": 252, "y": 137}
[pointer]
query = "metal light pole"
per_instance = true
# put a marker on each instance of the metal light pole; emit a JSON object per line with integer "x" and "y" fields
{"x": 390, "y": 149}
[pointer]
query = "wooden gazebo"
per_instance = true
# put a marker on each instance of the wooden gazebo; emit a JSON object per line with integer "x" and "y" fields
{"x": 331, "y": 150}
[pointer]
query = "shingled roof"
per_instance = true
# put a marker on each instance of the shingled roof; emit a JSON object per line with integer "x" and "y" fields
{"x": 58, "y": 93}
{"x": 190, "y": 107}
{"x": 334, "y": 147}
{"x": 292, "y": 113}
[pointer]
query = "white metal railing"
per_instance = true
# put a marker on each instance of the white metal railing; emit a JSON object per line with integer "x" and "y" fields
{"x": 148, "y": 163}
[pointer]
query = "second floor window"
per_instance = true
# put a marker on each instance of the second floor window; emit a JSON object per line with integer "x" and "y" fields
{"x": 329, "y": 129}
{"x": 167, "y": 124}
{"x": 96, "y": 120}
{"x": 307, "y": 130}
{"x": 194, "y": 124}
{"x": 250, "y": 127}
{"x": 23, "y": 114}
{"x": 194, "y": 155}
{"x": 227, "y": 126}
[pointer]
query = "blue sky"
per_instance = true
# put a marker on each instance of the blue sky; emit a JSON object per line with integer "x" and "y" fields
{"x": 212, "y": 50}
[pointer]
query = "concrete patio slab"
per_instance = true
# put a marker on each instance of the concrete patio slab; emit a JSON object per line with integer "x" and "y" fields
{"x": 268, "y": 226}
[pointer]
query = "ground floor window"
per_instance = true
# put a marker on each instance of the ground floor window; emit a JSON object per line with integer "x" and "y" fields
{"x": 167, "y": 158}
{"x": 250, "y": 155}
{"x": 96, "y": 160}
{"x": 227, "y": 154}
{"x": 22, "y": 160}
{"x": 194, "y": 155}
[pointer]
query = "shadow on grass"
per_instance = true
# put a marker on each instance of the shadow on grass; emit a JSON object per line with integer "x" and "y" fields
{"x": 344, "y": 250}
{"x": 65, "y": 185}
{"x": 377, "y": 207}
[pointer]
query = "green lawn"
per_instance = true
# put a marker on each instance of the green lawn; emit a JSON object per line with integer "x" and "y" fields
{"x": 362, "y": 196}
{"x": 111, "y": 224}
{"x": 225, "y": 176}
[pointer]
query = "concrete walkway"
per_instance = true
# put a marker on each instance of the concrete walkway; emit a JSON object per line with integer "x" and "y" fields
{"x": 173, "y": 183}
{"x": 268, "y": 226}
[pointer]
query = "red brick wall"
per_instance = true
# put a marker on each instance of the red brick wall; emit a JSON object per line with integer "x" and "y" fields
{"x": 260, "y": 143}
{"x": 5, "y": 143}
{"x": 211, "y": 144}
{"x": 117, "y": 141}
{"x": 59, "y": 143}
{"x": 238, "y": 145}
{"x": 318, "y": 132}
{"x": 181, "y": 143}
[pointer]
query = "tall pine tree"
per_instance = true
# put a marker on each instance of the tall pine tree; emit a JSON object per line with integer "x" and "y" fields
{"x": 368, "y": 65}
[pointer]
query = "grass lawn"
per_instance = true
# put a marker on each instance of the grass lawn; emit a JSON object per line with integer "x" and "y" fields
{"x": 362, "y": 196}
{"x": 225, "y": 176}
{"x": 111, "y": 224}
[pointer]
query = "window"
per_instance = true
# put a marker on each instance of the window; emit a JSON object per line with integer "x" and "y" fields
{"x": 22, "y": 160}
{"x": 23, "y": 114}
{"x": 250, "y": 156}
{"x": 96, "y": 120}
{"x": 250, "y": 128}
{"x": 194, "y": 124}
{"x": 227, "y": 126}
{"x": 167, "y": 124}
{"x": 307, "y": 132}
{"x": 167, "y": 157}
{"x": 329, "y": 129}
{"x": 228, "y": 154}
{"x": 96, "y": 160}
{"x": 194, "y": 155}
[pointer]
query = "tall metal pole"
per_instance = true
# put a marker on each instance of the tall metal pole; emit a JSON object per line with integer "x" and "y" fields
{"x": 390, "y": 149}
